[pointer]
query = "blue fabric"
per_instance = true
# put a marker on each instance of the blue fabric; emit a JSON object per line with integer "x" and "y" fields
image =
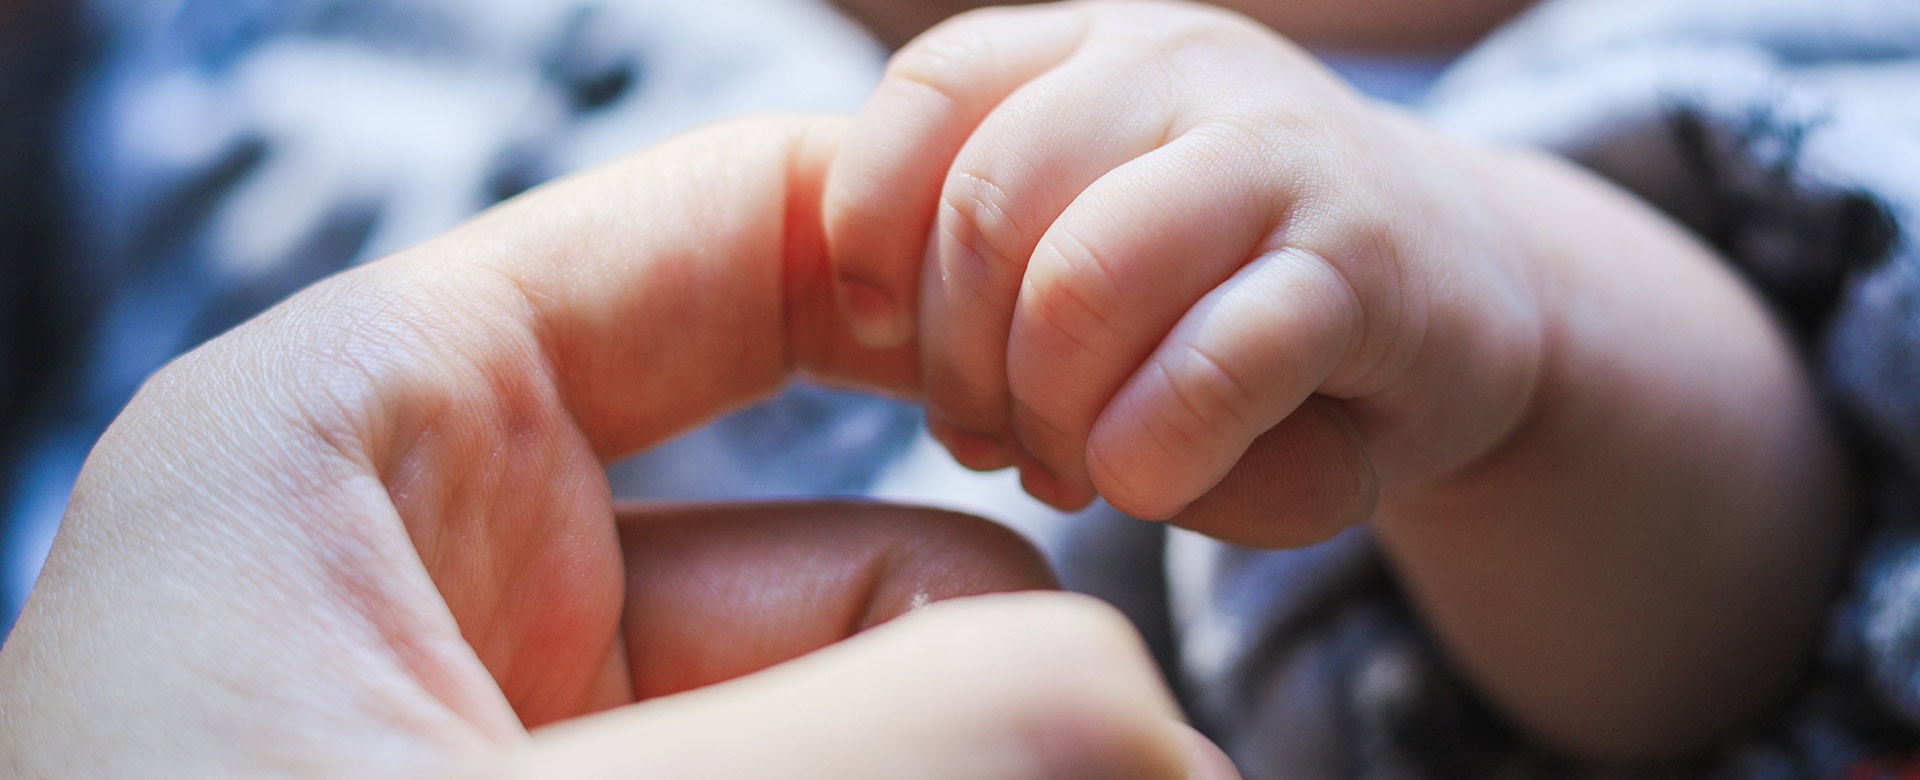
{"x": 221, "y": 154}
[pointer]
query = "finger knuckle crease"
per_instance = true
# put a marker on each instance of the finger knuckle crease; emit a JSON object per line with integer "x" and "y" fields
{"x": 1033, "y": 421}
{"x": 1084, "y": 263}
{"x": 977, "y": 214}
{"x": 1208, "y": 386}
{"x": 933, "y": 69}
{"x": 1068, "y": 312}
{"x": 1176, "y": 427}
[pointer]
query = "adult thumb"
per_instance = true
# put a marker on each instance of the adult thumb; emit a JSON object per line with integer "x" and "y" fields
{"x": 1034, "y": 686}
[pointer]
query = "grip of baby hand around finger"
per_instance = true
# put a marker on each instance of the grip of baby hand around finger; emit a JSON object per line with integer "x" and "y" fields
{"x": 1168, "y": 333}
{"x": 883, "y": 189}
{"x": 1216, "y": 428}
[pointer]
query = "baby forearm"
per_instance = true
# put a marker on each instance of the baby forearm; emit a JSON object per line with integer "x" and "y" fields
{"x": 1642, "y": 564}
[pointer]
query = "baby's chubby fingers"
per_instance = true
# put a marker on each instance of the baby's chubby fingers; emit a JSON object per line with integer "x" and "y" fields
{"x": 1025, "y": 165}
{"x": 883, "y": 188}
{"x": 1141, "y": 245}
{"x": 967, "y": 154}
{"x": 993, "y": 149}
{"x": 1237, "y": 365}
{"x": 1189, "y": 303}
{"x": 1111, "y": 277}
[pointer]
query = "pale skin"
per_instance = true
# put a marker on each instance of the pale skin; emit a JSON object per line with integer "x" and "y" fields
{"x": 1155, "y": 253}
{"x": 368, "y": 534}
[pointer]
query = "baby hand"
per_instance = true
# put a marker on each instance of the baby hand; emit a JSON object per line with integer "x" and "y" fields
{"x": 1174, "y": 261}
{"x": 1159, "y": 253}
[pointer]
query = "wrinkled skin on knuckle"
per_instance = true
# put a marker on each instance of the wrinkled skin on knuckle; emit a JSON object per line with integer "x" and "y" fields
{"x": 976, "y": 214}
{"x": 1039, "y": 424}
{"x": 1214, "y": 395}
{"x": 1070, "y": 305}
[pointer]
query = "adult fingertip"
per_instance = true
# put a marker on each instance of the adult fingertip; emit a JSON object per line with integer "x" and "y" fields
{"x": 1205, "y": 760}
{"x": 1021, "y": 686}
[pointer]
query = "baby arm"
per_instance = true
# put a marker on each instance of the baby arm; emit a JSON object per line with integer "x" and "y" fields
{"x": 1173, "y": 260}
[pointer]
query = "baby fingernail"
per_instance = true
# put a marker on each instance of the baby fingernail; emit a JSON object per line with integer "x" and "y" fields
{"x": 1040, "y": 482}
{"x": 972, "y": 450}
{"x": 1205, "y": 760}
{"x": 874, "y": 318}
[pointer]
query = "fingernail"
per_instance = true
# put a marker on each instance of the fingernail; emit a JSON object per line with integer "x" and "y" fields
{"x": 873, "y": 317}
{"x": 1040, "y": 482}
{"x": 972, "y": 450}
{"x": 1205, "y": 760}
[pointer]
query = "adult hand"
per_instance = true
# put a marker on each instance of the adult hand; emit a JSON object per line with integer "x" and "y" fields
{"x": 368, "y": 533}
